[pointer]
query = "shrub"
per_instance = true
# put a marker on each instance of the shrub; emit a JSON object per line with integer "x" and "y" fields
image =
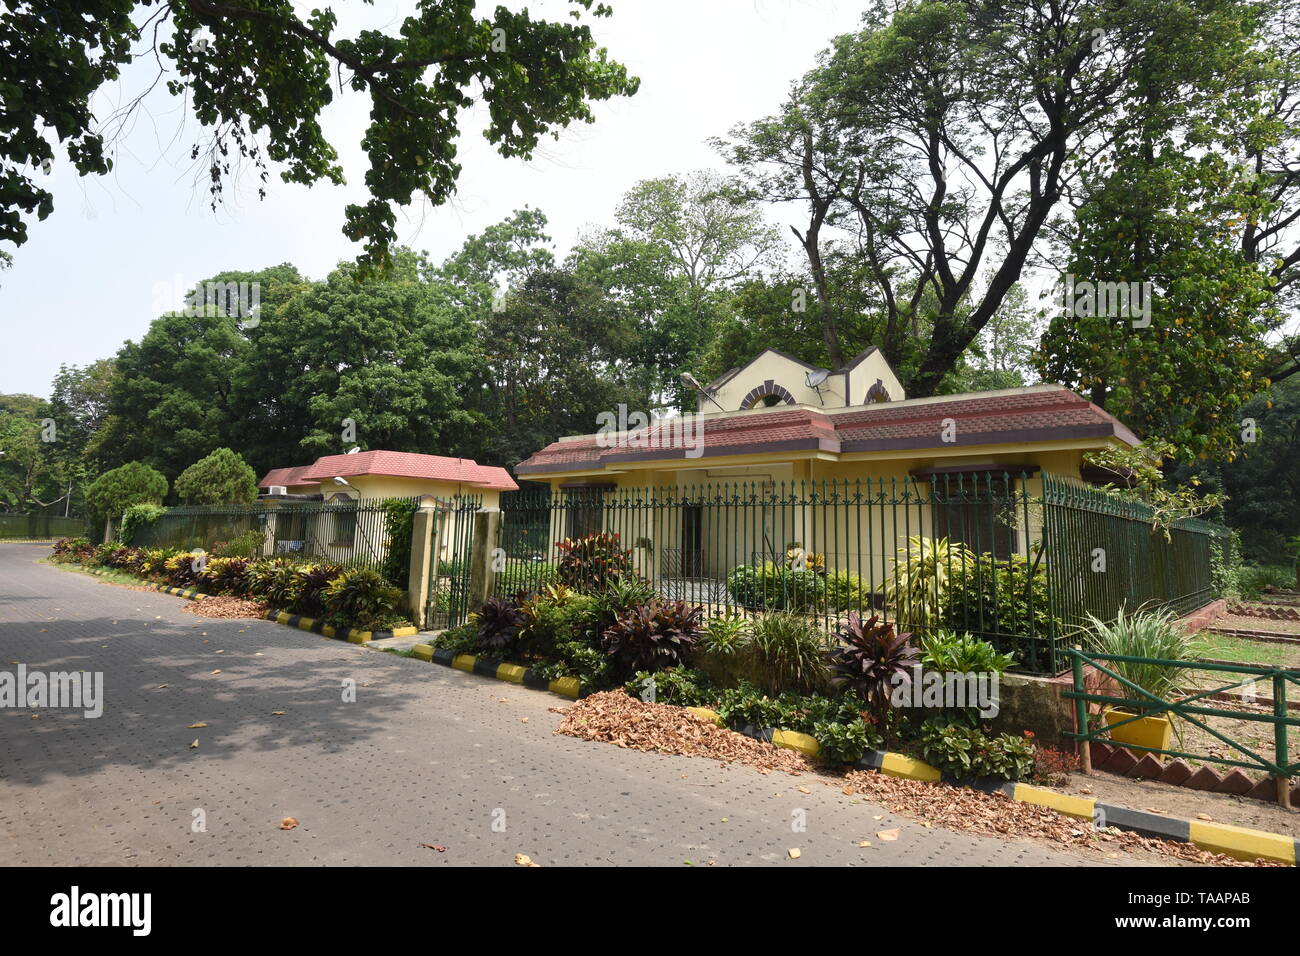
{"x": 1144, "y": 634}
{"x": 841, "y": 743}
{"x": 362, "y": 598}
{"x": 787, "y": 652}
{"x": 746, "y": 705}
{"x": 226, "y": 576}
{"x": 181, "y": 570}
{"x": 652, "y": 636}
{"x": 559, "y": 616}
{"x": 137, "y": 517}
{"x": 590, "y": 665}
{"x": 498, "y": 621}
{"x": 946, "y": 650}
{"x": 592, "y": 561}
{"x": 221, "y": 478}
{"x": 870, "y": 660}
{"x": 462, "y": 639}
{"x": 679, "y": 686}
{"x": 1052, "y": 767}
{"x": 314, "y": 579}
{"x": 115, "y": 490}
{"x": 618, "y": 597}
{"x": 771, "y": 587}
{"x": 399, "y": 525}
{"x": 967, "y": 752}
{"x": 917, "y": 587}
{"x": 1256, "y": 580}
{"x": 72, "y": 549}
{"x": 846, "y": 591}
{"x": 154, "y": 561}
{"x": 275, "y": 579}
{"x": 722, "y": 653}
{"x": 520, "y": 576}
{"x": 999, "y": 597}
{"x": 246, "y": 544}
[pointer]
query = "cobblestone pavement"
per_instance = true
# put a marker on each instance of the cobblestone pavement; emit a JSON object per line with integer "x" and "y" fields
{"x": 424, "y": 755}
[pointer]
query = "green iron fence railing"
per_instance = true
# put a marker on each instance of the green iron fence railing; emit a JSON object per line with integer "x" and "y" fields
{"x": 1208, "y": 709}
{"x": 367, "y": 532}
{"x": 447, "y": 603}
{"x": 997, "y": 554}
{"x": 40, "y": 527}
{"x": 1109, "y": 554}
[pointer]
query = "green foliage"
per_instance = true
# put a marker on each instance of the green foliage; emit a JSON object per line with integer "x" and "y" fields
{"x": 361, "y": 598}
{"x": 841, "y": 743}
{"x": 1226, "y": 570}
{"x": 134, "y": 483}
{"x": 246, "y": 544}
{"x": 746, "y": 705}
{"x": 1256, "y": 580}
{"x": 315, "y": 579}
{"x": 846, "y": 591}
{"x": 559, "y": 616}
{"x": 619, "y": 596}
{"x": 999, "y": 597}
{"x": 679, "y": 686}
{"x": 593, "y": 561}
{"x": 918, "y": 585}
{"x": 869, "y": 660}
{"x": 459, "y": 640}
{"x": 72, "y": 550}
{"x": 946, "y": 650}
{"x": 136, "y": 517}
{"x": 723, "y": 651}
{"x": 1145, "y": 482}
{"x": 272, "y": 74}
{"x": 652, "y": 636}
{"x": 226, "y": 576}
{"x": 772, "y": 587}
{"x": 787, "y": 652}
{"x": 399, "y": 522}
{"x": 276, "y": 580}
{"x": 1149, "y": 634}
{"x": 969, "y": 753}
{"x": 223, "y": 477}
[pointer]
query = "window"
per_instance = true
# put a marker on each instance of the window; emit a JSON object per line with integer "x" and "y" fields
{"x": 344, "y": 521}
{"x": 977, "y": 510}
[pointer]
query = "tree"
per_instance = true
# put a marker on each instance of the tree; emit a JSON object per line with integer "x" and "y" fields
{"x": 217, "y": 479}
{"x": 134, "y": 483}
{"x": 257, "y": 71}
{"x": 32, "y": 474}
{"x": 1003, "y": 353}
{"x": 939, "y": 139}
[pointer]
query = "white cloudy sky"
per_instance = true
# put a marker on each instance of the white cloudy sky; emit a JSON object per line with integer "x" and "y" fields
{"x": 90, "y": 276}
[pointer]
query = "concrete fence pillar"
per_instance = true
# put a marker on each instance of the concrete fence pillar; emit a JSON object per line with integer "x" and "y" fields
{"x": 426, "y": 546}
{"x": 482, "y": 572}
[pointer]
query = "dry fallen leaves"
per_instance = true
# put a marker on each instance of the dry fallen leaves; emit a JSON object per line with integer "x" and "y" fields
{"x": 614, "y": 717}
{"x": 288, "y": 823}
{"x": 197, "y": 726}
{"x": 225, "y": 606}
{"x": 794, "y": 852}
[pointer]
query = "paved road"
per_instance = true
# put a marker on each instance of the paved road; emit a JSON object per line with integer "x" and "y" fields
{"x": 424, "y": 755}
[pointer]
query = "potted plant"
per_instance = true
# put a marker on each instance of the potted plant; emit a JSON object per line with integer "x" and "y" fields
{"x": 1153, "y": 635}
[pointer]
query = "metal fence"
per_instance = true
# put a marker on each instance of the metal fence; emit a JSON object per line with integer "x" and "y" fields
{"x": 451, "y": 544}
{"x": 1109, "y": 554}
{"x": 367, "y": 532}
{"x": 40, "y": 527}
{"x": 1234, "y": 736}
{"x": 1001, "y": 555}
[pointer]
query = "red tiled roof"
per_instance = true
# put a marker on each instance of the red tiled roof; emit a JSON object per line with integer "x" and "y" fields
{"x": 286, "y": 477}
{"x": 402, "y": 464}
{"x": 1036, "y": 414}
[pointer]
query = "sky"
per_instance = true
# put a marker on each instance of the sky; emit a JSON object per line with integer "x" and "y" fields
{"x": 119, "y": 250}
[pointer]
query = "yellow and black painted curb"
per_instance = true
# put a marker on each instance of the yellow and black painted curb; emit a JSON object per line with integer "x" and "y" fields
{"x": 1238, "y": 842}
{"x": 568, "y": 687}
{"x": 349, "y": 634}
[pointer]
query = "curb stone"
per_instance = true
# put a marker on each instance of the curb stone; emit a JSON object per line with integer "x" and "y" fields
{"x": 1238, "y": 842}
{"x": 568, "y": 687}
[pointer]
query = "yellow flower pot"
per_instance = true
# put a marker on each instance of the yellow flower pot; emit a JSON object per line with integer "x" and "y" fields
{"x": 1153, "y": 732}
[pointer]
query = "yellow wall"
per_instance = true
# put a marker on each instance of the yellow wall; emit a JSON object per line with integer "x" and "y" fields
{"x": 791, "y": 376}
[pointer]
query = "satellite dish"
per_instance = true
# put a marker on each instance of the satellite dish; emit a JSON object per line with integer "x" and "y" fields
{"x": 814, "y": 380}
{"x": 354, "y": 450}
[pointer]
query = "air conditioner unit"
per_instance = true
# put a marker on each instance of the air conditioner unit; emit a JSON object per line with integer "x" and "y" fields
{"x": 277, "y": 490}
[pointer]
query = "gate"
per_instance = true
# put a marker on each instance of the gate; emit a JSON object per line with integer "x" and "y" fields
{"x": 451, "y": 544}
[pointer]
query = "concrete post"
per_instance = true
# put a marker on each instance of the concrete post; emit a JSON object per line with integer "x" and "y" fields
{"x": 425, "y": 548}
{"x": 482, "y": 574}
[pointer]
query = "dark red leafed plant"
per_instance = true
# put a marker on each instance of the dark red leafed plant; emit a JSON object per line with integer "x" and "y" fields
{"x": 592, "y": 561}
{"x": 871, "y": 660}
{"x": 499, "y": 620}
{"x": 652, "y": 636}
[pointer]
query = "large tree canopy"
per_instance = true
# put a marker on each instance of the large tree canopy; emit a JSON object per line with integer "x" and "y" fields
{"x": 257, "y": 75}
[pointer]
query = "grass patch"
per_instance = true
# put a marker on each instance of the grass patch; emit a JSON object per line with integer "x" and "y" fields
{"x": 1242, "y": 650}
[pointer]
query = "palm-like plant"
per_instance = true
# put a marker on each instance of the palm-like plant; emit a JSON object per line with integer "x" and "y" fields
{"x": 915, "y": 589}
{"x": 871, "y": 660}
